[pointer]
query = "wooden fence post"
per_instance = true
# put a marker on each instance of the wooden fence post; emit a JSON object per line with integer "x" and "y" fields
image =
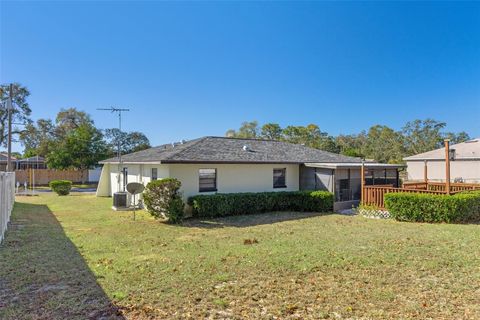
{"x": 425, "y": 172}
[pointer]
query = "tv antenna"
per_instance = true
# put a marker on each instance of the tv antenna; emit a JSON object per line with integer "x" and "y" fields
{"x": 119, "y": 153}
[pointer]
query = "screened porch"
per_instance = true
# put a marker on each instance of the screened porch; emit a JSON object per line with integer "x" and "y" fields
{"x": 344, "y": 179}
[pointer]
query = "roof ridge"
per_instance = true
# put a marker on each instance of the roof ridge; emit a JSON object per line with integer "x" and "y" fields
{"x": 268, "y": 140}
{"x": 238, "y": 138}
{"x": 280, "y": 141}
{"x": 190, "y": 143}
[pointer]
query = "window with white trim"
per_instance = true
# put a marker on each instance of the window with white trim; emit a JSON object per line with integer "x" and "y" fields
{"x": 154, "y": 173}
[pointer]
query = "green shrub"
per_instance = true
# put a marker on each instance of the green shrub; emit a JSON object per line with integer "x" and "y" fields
{"x": 420, "y": 207}
{"x": 163, "y": 199}
{"x": 61, "y": 187}
{"x": 225, "y": 204}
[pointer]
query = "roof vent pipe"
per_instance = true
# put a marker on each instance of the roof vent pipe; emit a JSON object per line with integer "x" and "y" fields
{"x": 246, "y": 148}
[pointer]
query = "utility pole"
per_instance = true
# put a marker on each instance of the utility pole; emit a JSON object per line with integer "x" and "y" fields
{"x": 119, "y": 153}
{"x": 9, "y": 141}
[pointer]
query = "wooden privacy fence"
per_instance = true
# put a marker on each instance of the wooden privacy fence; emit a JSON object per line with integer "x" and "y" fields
{"x": 44, "y": 176}
{"x": 7, "y": 198}
{"x": 374, "y": 195}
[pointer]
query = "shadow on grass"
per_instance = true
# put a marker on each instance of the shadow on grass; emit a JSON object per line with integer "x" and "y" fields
{"x": 43, "y": 274}
{"x": 244, "y": 221}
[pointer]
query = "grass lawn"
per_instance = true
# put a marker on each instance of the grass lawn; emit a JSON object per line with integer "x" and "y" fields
{"x": 74, "y": 258}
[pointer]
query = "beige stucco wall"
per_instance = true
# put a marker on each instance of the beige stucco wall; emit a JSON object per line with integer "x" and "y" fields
{"x": 163, "y": 171}
{"x": 103, "y": 188}
{"x": 469, "y": 171}
{"x": 136, "y": 173}
{"x": 233, "y": 178}
{"x": 230, "y": 177}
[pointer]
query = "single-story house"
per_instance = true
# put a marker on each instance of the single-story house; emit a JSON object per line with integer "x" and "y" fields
{"x": 35, "y": 162}
{"x": 464, "y": 163}
{"x": 4, "y": 161}
{"x": 227, "y": 165}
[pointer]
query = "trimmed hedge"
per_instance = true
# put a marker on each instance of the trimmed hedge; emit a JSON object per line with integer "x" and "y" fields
{"x": 227, "y": 204}
{"x": 61, "y": 187}
{"x": 418, "y": 207}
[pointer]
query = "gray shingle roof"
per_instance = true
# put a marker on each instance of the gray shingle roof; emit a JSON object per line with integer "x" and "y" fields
{"x": 231, "y": 150}
{"x": 4, "y": 157}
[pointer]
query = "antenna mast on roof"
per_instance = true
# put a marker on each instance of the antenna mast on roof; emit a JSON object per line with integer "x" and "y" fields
{"x": 119, "y": 153}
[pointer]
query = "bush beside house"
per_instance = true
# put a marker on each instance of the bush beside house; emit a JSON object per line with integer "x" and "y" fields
{"x": 248, "y": 203}
{"x": 416, "y": 207}
{"x": 61, "y": 187}
{"x": 162, "y": 198}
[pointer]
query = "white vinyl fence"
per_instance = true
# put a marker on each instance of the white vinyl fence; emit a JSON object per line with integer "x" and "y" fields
{"x": 94, "y": 175}
{"x": 7, "y": 198}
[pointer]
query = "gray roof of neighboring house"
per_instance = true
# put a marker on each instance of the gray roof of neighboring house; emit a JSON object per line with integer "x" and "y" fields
{"x": 4, "y": 157}
{"x": 231, "y": 150}
{"x": 32, "y": 159}
{"x": 469, "y": 150}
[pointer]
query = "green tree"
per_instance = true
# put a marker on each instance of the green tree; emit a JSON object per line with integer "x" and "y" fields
{"x": 21, "y": 109}
{"x": 271, "y": 131}
{"x": 247, "y": 130}
{"x": 352, "y": 145}
{"x": 71, "y": 119}
{"x": 328, "y": 143}
{"x": 457, "y": 137}
{"x": 129, "y": 141}
{"x": 37, "y": 137}
{"x": 310, "y": 136}
{"x": 81, "y": 148}
{"x": 302, "y": 135}
{"x": 384, "y": 144}
{"x": 76, "y": 143}
{"x": 422, "y": 135}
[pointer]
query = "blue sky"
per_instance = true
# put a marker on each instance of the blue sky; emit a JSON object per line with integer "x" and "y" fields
{"x": 191, "y": 69}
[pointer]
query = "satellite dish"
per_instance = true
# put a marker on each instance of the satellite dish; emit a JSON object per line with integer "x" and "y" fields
{"x": 135, "y": 188}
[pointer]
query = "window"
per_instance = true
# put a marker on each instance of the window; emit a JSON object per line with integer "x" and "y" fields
{"x": 154, "y": 174}
{"x": 207, "y": 180}
{"x": 279, "y": 178}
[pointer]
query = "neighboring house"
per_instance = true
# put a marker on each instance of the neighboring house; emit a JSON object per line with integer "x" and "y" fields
{"x": 464, "y": 165}
{"x": 227, "y": 165}
{"x": 36, "y": 162}
{"x": 4, "y": 160}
